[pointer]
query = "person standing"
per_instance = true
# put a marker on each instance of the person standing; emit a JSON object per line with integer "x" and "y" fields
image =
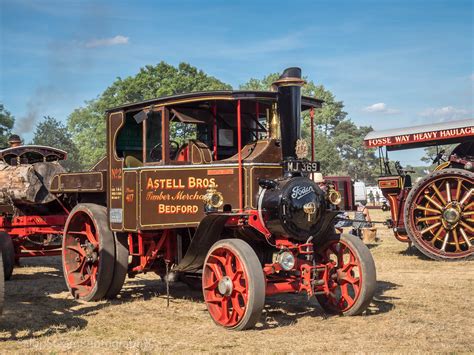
{"x": 371, "y": 197}
{"x": 377, "y": 197}
{"x": 14, "y": 141}
{"x": 362, "y": 220}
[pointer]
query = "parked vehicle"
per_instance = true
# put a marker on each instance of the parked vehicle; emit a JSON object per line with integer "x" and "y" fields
{"x": 435, "y": 214}
{"x": 31, "y": 217}
{"x": 213, "y": 185}
{"x": 360, "y": 192}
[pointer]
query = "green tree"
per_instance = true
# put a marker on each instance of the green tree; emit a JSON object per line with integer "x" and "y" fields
{"x": 326, "y": 118}
{"x": 50, "y": 132}
{"x": 6, "y": 124}
{"x": 87, "y": 123}
{"x": 357, "y": 161}
{"x": 325, "y": 151}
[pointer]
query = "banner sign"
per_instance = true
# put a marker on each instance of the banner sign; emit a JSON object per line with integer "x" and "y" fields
{"x": 419, "y": 137}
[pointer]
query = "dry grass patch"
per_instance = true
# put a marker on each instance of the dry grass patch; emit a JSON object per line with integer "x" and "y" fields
{"x": 420, "y": 305}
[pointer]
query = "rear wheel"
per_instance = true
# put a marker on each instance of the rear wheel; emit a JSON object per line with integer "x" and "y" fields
{"x": 8, "y": 254}
{"x": 120, "y": 266}
{"x": 88, "y": 252}
{"x": 353, "y": 279}
{"x": 439, "y": 215}
{"x": 233, "y": 284}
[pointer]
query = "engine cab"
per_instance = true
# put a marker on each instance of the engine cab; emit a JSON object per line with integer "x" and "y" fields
{"x": 164, "y": 155}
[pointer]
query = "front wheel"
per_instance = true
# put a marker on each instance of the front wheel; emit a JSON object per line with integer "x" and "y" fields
{"x": 233, "y": 284}
{"x": 352, "y": 280}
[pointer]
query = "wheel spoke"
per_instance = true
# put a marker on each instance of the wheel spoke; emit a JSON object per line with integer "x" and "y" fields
{"x": 211, "y": 286}
{"x": 418, "y": 207}
{"x": 215, "y": 270}
{"x": 458, "y": 190}
{"x": 79, "y": 266}
{"x": 225, "y": 310}
{"x": 448, "y": 191}
{"x": 436, "y": 236}
{"x": 456, "y": 240}
{"x": 228, "y": 265}
{"x": 90, "y": 235}
{"x": 430, "y": 218}
{"x": 345, "y": 294}
{"x": 466, "y": 196}
{"x": 464, "y": 235}
{"x": 445, "y": 242}
{"x": 436, "y": 204}
{"x": 438, "y": 193}
{"x": 428, "y": 229}
{"x": 76, "y": 249}
{"x": 465, "y": 225}
{"x": 237, "y": 308}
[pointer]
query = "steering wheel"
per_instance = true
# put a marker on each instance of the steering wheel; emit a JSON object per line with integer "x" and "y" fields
{"x": 439, "y": 157}
{"x": 155, "y": 152}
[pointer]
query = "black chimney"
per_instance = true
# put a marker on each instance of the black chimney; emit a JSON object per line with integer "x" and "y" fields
{"x": 289, "y": 109}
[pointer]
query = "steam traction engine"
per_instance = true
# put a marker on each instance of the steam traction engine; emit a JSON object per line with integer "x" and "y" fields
{"x": 31, "y": 218}
{"x": 209, "y": 186}
{"x": 436, "y": 213}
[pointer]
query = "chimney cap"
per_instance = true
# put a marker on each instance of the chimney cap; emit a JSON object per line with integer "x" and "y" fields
{"x": 293, "y": 72}
{"x": 290, "y": 77}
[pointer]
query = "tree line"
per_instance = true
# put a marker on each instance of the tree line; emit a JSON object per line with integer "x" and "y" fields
{"x": 338, "y": 140}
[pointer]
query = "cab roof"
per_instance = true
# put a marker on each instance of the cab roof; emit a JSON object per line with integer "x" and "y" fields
{"x": 306, "y": 101}
{"x": 422, "y": 136}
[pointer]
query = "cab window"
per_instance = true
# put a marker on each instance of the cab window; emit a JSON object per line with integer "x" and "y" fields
{"x": 154, "y": 146}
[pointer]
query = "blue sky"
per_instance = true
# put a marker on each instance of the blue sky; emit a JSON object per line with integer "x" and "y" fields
{"x": 393, "y": 63}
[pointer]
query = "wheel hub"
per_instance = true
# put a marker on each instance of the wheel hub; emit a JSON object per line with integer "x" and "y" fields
{"x": 451, "y": 215}
{"x": 225, "y": 286}
{"x": 89, "y": 250}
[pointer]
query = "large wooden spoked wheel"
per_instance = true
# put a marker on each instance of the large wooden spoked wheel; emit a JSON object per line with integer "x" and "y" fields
{"x": 8, "y": 253}
{"x": 88, "y": 252}
{"x": 439, "y": 215}
{"x": 233, "y": 284}
{"x": 353, "y": 280}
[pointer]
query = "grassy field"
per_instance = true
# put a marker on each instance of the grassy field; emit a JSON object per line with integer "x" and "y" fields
{"x": 420, "y": 305}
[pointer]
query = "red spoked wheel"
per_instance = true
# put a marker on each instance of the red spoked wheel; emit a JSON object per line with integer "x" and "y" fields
{"x": 233, "y": 284}
{"x": 88, "y": 252}
{"x": 352, "y": 280}
{"x": 439, "y": 215}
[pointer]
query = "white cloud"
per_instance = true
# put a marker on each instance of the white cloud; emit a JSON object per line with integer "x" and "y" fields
{"x": 106, "y": 42}
{"x": 445, "y": 113}
{"x": 380, "y": 107}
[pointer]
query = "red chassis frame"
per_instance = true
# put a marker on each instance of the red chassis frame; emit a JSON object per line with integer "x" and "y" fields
{"x": 21, "y": 228}
{"x": 314, "y": 279}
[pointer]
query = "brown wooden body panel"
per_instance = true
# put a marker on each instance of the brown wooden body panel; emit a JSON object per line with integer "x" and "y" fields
{"x": 91, "y": 181}
{"x": 173, "y": 196}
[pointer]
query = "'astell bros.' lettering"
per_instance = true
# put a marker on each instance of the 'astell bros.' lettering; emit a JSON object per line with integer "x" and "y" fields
{"x": 156, "y": 191}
